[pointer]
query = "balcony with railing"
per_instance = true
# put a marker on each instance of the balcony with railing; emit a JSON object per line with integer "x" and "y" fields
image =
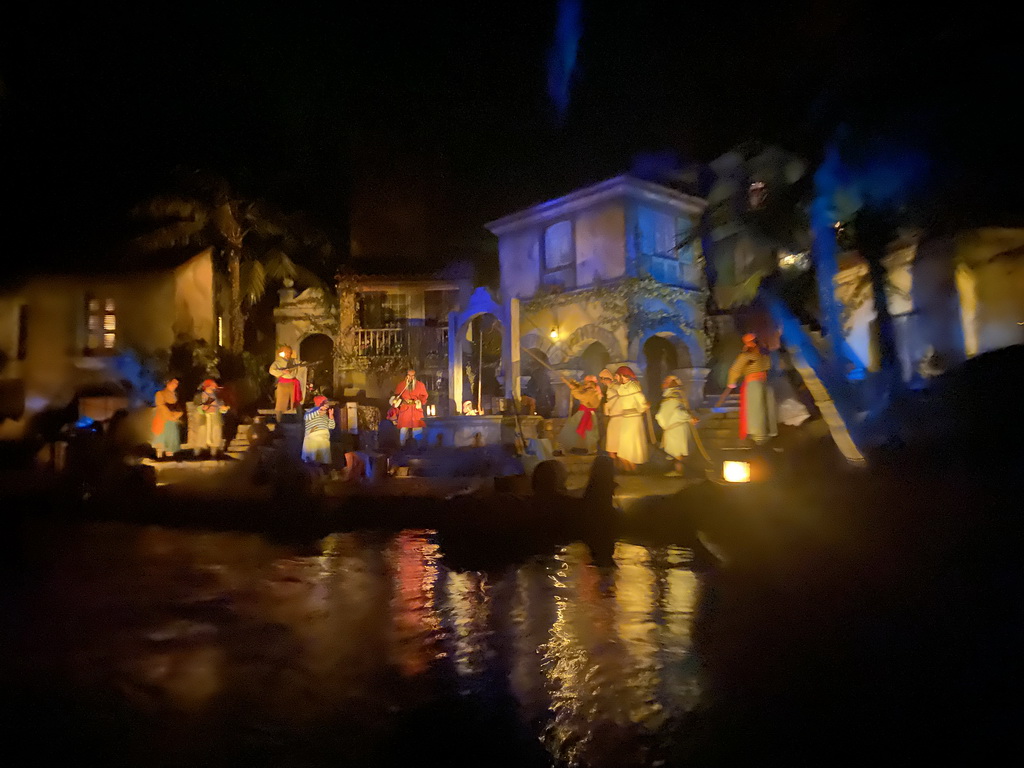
{"x": 415, "y": 342}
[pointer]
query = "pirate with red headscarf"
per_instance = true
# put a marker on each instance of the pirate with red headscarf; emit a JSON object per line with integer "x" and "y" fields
{"x": 626, "y": 405}
{"x": 757, "y": 401}
{"x": 319, "y": 421}
{"x": 580, "y": 431}
{"x": 210, "y": 410}
{"x": 290, "y": 372}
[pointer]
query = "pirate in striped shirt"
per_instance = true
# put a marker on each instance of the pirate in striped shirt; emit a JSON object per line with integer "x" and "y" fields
{"x": 316, "y": 445}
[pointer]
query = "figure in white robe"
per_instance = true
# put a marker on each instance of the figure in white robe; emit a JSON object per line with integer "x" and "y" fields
{"x": 626, "y": 407}
{"x": 675, "y": 419}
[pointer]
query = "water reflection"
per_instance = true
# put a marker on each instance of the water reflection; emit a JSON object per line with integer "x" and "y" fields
{"x": 259, "y": 646}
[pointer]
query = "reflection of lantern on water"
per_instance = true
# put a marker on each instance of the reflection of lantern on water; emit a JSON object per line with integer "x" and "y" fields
{"x": 533, "y": 615}
{"x": 414, "y": 563}
{"x": 635, "y": 598}
{"x": 584, "y": 658}
{"x": 469, "y": 614}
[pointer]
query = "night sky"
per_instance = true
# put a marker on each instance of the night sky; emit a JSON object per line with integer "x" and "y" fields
{"x": 416, "y": 124}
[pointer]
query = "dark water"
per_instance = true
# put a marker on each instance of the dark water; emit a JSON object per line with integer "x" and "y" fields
{"x": 161, "y": 647}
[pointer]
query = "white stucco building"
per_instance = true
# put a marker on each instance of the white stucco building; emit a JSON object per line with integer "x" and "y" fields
{"x": 602, "y": 277}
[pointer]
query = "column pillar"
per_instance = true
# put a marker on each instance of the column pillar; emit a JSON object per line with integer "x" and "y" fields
{"x": 511, "y": 351}
{"x": 454, "y": 364}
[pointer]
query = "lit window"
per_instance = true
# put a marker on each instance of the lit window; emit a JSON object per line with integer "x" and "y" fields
{"x": 220, "y": 330}
{"x": 101, "y": 325}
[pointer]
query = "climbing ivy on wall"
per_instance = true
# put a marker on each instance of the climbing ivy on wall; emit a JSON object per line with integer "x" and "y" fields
{"x": 625, "y": 303}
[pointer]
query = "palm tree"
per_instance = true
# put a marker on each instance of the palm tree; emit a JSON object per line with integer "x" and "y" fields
{"x": 874, "y": 188}
{"x": 255, "y": 242}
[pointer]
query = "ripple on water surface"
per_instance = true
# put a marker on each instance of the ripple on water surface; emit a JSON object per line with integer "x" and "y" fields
{"x": 364, "y": 648}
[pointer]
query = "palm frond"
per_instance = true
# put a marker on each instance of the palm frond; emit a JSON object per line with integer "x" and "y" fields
{"x": 742, "y": 294}
{"x": 179, "y": 233}
{"x": 227, "y": 225}
{"x": 182, "y": 208}
{"x": 278, "y": 265}
{"x": 254, "y": 281}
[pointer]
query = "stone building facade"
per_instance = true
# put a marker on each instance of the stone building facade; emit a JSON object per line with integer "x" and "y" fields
{"x": 60, "y": 334}
{"x": 605, "y": 276}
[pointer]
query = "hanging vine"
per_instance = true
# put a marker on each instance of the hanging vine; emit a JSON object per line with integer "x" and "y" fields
{"x": 625, "y": 302}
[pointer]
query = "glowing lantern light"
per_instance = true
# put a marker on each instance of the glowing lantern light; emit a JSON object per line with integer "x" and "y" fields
{"x": 554, "y": 334}
{"x": 736, "y": 471}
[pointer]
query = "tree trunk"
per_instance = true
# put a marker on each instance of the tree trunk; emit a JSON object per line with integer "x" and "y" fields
{"x": 825, "y": 268}
{"x": 875, "y": 231}
{"x": 235, "y": 310}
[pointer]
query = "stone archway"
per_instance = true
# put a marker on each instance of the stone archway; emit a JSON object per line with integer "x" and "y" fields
{"x": 659, "y": 358}
{"x": 689, "y": 350}
{"x": 481, "y": 340}
{"x": 594, "y": 359}
{"x": 319, "y": 348}
{"x": 481, "y": 302}
{"x": 580, "y": 339}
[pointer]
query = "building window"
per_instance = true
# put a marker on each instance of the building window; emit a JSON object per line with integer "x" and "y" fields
{"x": 657, "y": 233}
{"x": 684, "y": 246}
{"x": 101, "y": 325}
{"x": 382, "y": 309}
{"x": 23, "y": 331}
{"x": 558, "y": 250}
{"x": 437, "y": 304}
{"x": 559, "y": 255}
{"x": 657, "y": 242}
{"x": 109, "y": 324}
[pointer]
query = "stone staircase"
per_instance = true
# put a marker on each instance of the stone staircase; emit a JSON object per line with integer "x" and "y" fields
{"x": 240, "y": 443}
{"x": 719, "y": 429}
{"x": 578, "y": 468}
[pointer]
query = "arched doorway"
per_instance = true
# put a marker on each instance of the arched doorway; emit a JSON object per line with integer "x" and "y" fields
{"x": 318, "y": 349}
{"x": 660, "y": 359}
{"x": 539, "y": 386}
{"x": 483, "y": 381}
{"x": 594, "y": 359}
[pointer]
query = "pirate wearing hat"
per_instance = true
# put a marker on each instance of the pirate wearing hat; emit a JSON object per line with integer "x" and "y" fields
{"x": 210, "y": 409}
{"x": 626, "y": 406}
{"x": 580, "y": 431}
{"x": 318, "y": 423}
{"x": 757, "y": 401}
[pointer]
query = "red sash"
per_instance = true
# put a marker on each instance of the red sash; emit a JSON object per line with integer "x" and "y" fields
{"x": 586, "y": 421}
{"x": 296, "y": 389}
{"x": 756, "y": 376}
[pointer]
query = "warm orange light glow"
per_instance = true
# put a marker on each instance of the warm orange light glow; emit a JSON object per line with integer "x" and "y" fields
{"x": 736, "y": 471}
{"x": 554, "y": 334}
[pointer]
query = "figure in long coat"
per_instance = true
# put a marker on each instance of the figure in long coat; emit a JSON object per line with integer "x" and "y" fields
{"x": 581, "y": 431}
{"x": 757, "y": 400}
{"x": 165, "y": 427}
{"x": 626, "y": 407}
{"x": 409, "y": 398}
{"x": 210, "y": 410}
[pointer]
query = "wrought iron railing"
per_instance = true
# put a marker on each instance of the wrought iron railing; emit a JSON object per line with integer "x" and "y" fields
{"x": 402, "y": 342}
{"x": 380, "y": 342}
